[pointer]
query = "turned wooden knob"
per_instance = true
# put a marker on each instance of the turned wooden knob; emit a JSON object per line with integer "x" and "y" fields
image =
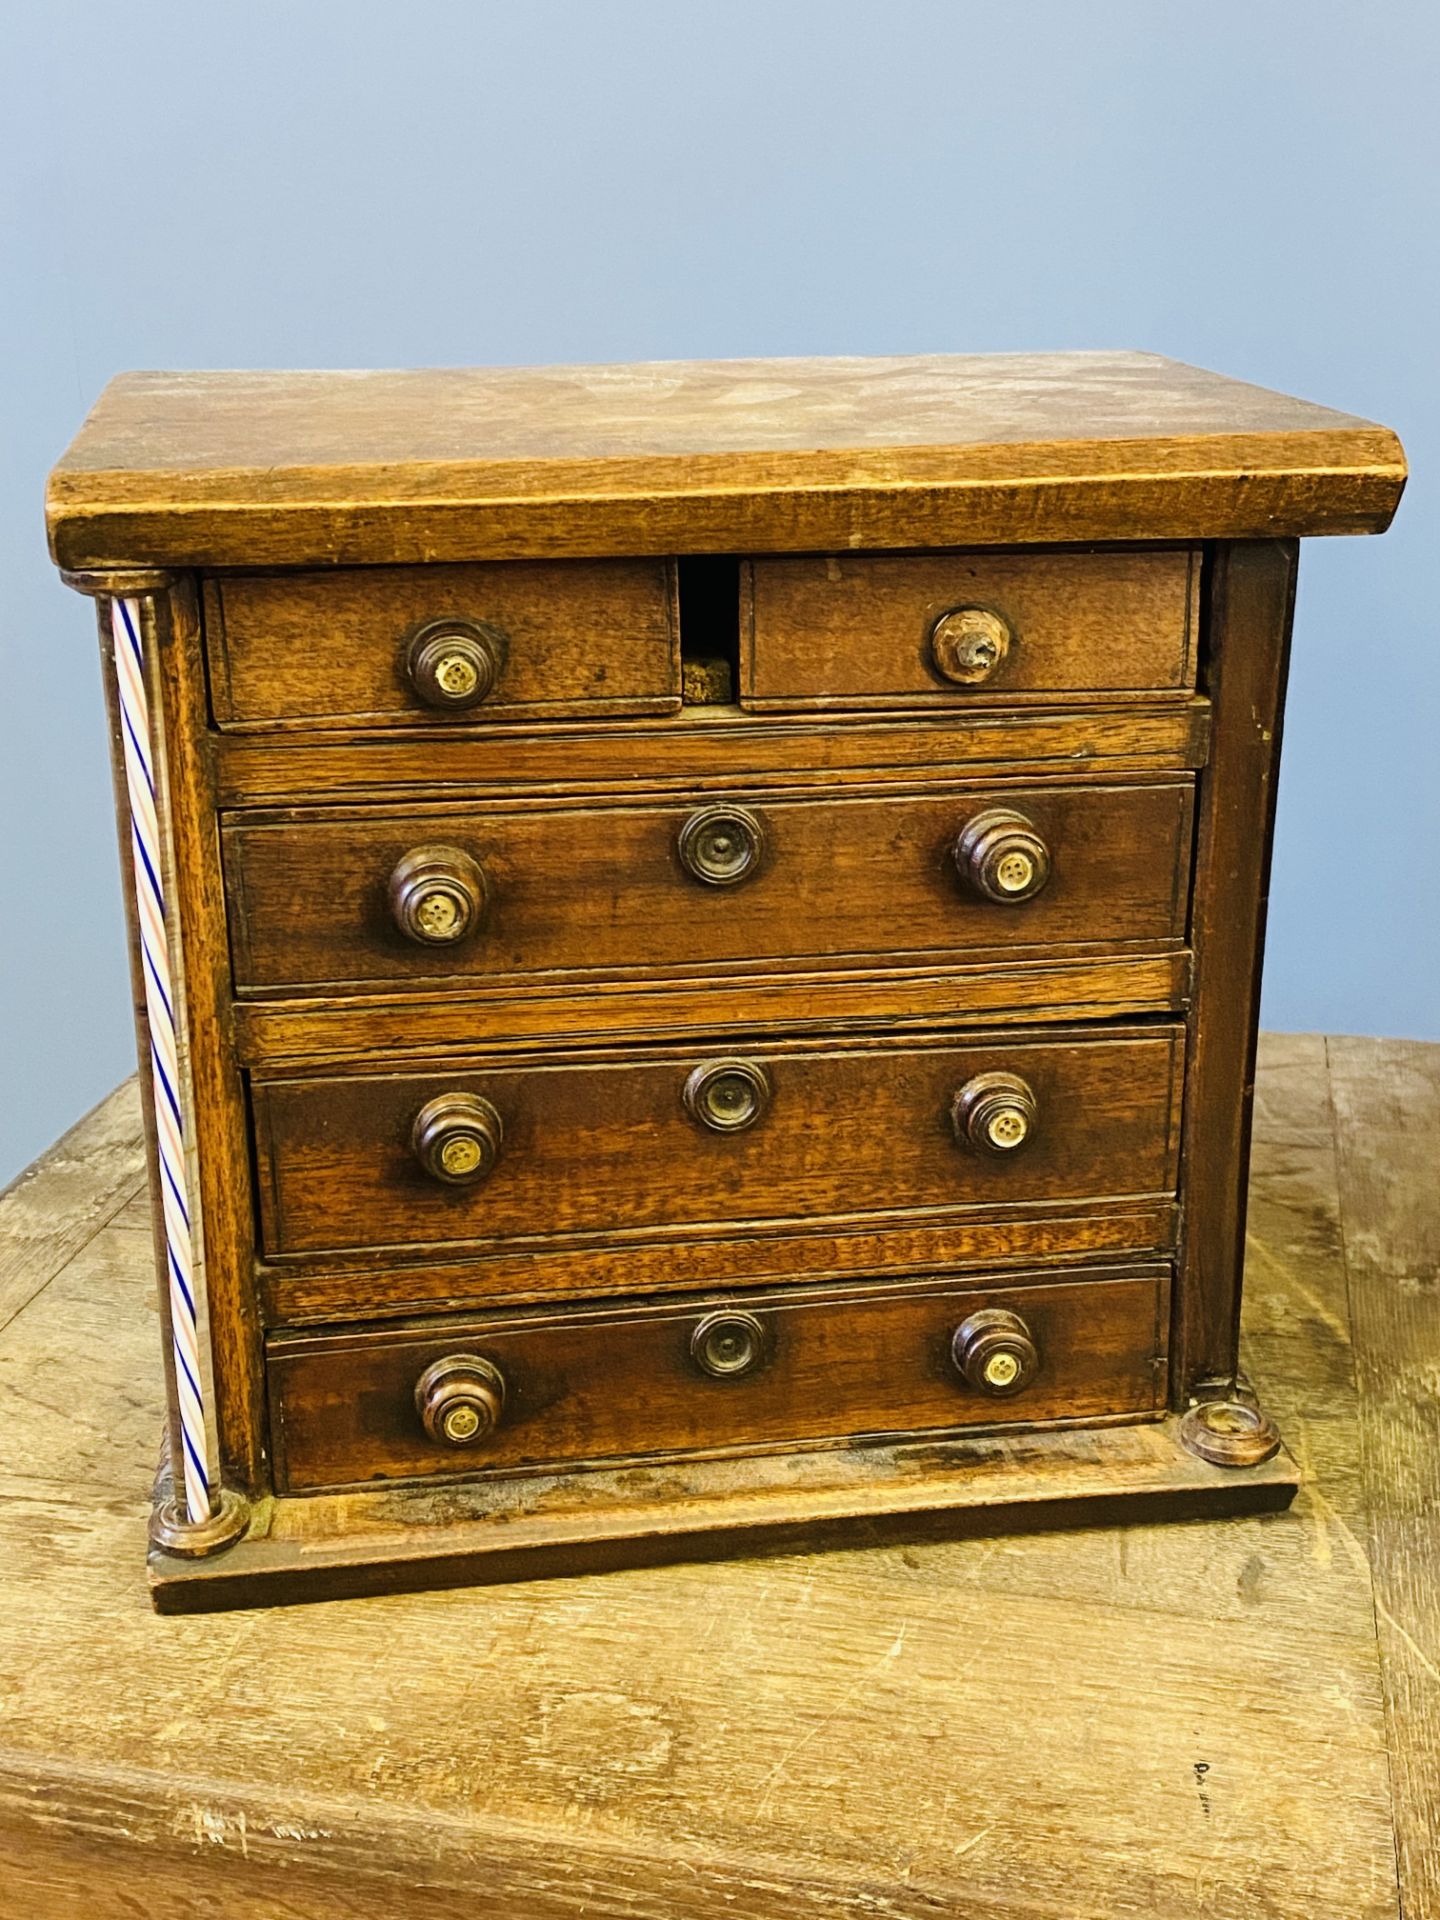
{"x": 437, "y": 895}
{"x": 460, "y": 1399}
{"x": 728, "y": 1095}
{"x": 454, "y": 663}
{"x": 728, "y": 1344}
{"x": 721, "y": 845}
{"x": 994, "y": 1113}
{"x": 1001, "y": 856}
{"x": 456, "y": 1138}
{"x": 969, "y": 645}
{"x": 994, "y": 1352}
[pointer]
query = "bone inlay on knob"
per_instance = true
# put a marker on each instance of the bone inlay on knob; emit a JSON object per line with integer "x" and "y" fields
{"x": 994, "y": 1113}
{"x": 995, "y": 1352}
{"x": 460, "y": 1399}
{"x": 437, "y": 895}
{"x": 454, "y": 664}
{"x": 1001, "y": 855}
{"x": 456, "y": 1138}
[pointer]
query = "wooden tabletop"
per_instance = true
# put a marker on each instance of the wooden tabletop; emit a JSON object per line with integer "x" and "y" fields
{"x": 1217, "y": 1720}
{"x": 703, "y": 456}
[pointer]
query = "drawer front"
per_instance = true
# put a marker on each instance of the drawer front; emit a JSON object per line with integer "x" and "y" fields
{"x": 775, "y": 1369}
{"x": 960, "y": 628}
{"x": 607, "y": 889}
{"x": 439, "y": 646}
{"x": 799, "y": 1131}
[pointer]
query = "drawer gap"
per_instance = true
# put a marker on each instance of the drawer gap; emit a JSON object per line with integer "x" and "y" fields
{"x": 709, "y": 599}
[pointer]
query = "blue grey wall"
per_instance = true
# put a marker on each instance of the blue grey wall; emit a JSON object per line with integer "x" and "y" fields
{"x": 1249, "y": 186}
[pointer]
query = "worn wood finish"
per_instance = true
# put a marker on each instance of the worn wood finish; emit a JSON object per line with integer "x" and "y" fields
{"x": 1252, "y": 599}
{"x": 339, "y": 1287}
{"x": 607, "y": 1148}
{"x": 745, "y": 1734}
{"x": 500, "y": 979}
{"x": 706, "y": 749}
{"x": 260, "y": 469}
{"x": 842, "y": 631}
{"x": 1017, "y": 992}
{"x": 327, "y": 650}
{"x": 1387, "y": 1122}
{"x": 603, "y": 890}
{"x": 594, "y": 1385}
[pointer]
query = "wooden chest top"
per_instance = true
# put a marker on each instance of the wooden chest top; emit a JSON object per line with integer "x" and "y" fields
{"x": 264, "y": 469}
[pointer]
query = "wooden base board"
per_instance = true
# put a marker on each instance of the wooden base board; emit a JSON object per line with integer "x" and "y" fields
{"x": 329, "y": 1546}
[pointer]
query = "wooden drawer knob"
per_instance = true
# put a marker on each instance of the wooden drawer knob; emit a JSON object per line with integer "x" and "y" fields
{"x": 994, "y": 1113}
{"x": 460, "y": 1399}
{"x": 994, "y": 1352}
{"x": 437, "y": 895}
{"x": 1002, "y": 857}
{"x": 721, "y": 845}
{"x": 969, "y": 645}
{"x": 453, "y": 664}
{"x": 728, "y": 1095}
{"x": 456, "y": 1138}
{"x": 728, "y": 1344}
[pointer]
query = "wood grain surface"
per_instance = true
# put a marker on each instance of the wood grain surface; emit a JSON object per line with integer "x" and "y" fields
{"x": 834, "y": 631}
{"x": 1185, "y": 1723}
{"x": 326, "y": 650}
{"x": 258, "y": 469}
{"x": 619, "y": 1383}
{"x": 601, "y": 890}
{"x": 605, "y": 1147}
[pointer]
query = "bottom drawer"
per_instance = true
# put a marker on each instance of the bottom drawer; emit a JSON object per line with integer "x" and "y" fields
{"x": 772, "y": 1369}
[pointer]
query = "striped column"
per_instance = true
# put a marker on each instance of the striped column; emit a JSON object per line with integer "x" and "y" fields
{"x": 138, "y": 743}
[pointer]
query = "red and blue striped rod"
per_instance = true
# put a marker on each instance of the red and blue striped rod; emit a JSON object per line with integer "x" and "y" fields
{"x": 164, "y": 1055}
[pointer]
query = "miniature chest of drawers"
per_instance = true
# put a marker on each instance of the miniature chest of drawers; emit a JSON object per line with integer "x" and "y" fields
{"x": 696, "y": 933}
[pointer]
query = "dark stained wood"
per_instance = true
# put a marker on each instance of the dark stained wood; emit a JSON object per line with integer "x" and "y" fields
{"x": 608, "y": 1148}
{"x": 1387, "y": 1129}
{"x": 601, "y": 1385}
{"x": 706, "y": 748}
{"x": 1251, "y": 603}
{"x": 603, "y": 890}
{"x": 260, "y": 469}
{"x": 844, "y": 630}
{"x": 676, "y": 1739}
{"x": 327, "y": 650}
{"x": 491, "y": 970}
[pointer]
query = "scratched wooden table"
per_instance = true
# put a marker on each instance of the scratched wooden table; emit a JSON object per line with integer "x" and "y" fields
{"x": 1222, "y": 1719}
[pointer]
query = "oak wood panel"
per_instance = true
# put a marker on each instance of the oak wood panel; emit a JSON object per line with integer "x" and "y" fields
{"x": 352, "y": 1287}
{"x": 608, "y": 1147}
{"x": 704, "y": 749}
{"x": 326, "y": 650}
{"x": 678, "y": 1739}
{"x": 187, "y": 469}
{"x": 1251, "y": 604}
{"x": 602, "y": 889}
{"x": 593, "y": 1385}
{"x": 848, "y": 630}
{"x": 1387, "y": 1128}
{"x": 1103, "y": 986}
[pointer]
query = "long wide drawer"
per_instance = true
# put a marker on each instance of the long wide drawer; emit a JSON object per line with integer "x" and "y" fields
{"x": 465, "y": 892}
{"x": 794, "y": 1367}
{"x": 430, "y": 647}
{"x": 946, "y": 629}
{"x": 546, "y": 1148}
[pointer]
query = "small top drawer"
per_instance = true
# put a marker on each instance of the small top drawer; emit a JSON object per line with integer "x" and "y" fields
{"x": 905, "y": 630}
{"x": 427, "y": 646}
